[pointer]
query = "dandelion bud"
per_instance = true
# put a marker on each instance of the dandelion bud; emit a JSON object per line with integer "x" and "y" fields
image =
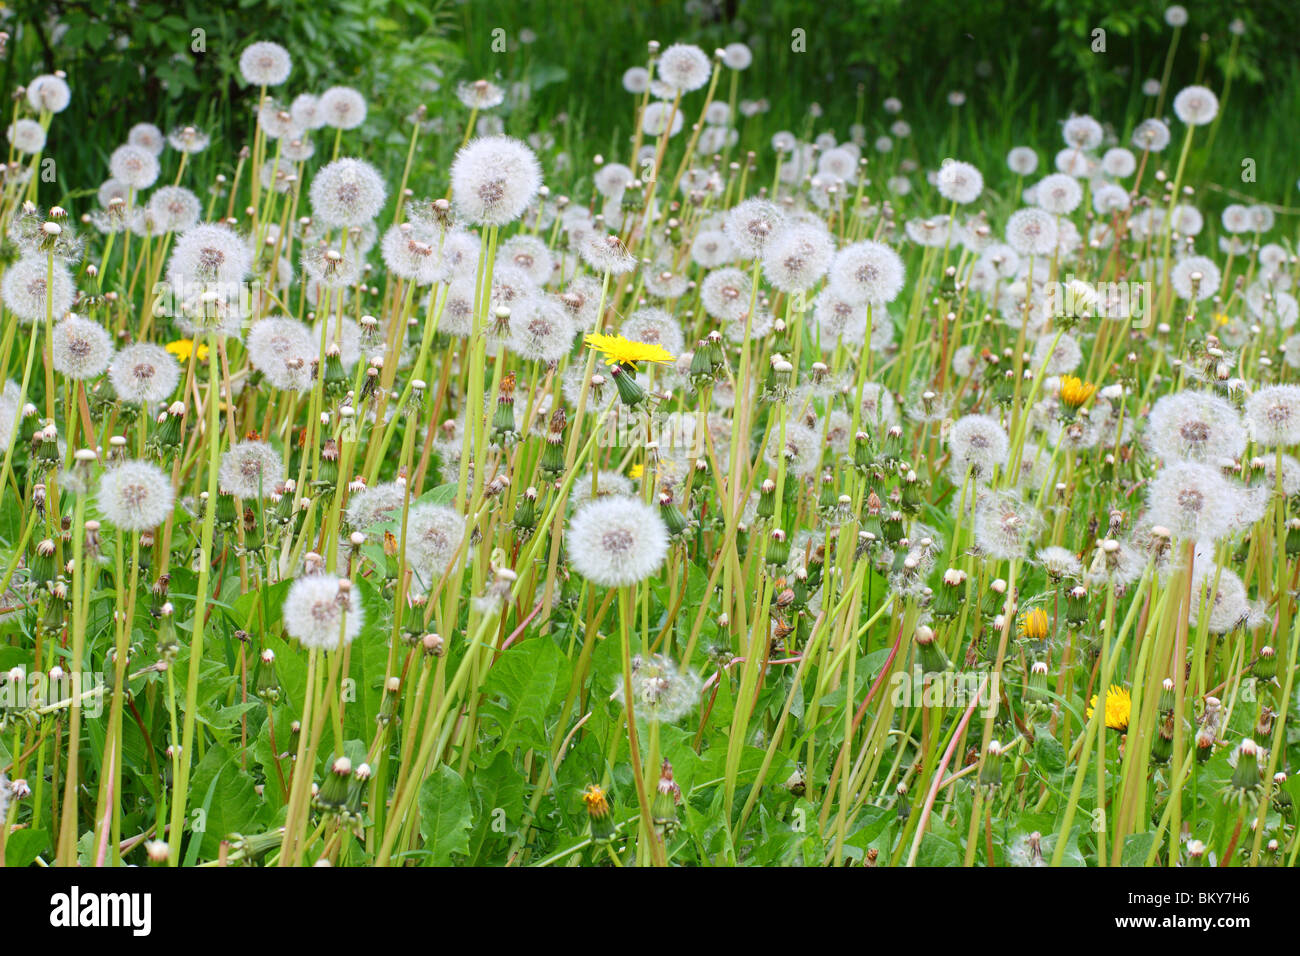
{"x": 433, "y": 645}
{"x": 991, "y": 772}
{"x": 388, "y": 703}
{"x": 951, "y": 594}
{"x": 995, "y": 598}
{"x": 1076, "y": 606}
{"x": 1246, "y": 775}
{"x": 1265, "y": 667}
{"x": 333, "y": 795}
{"x": 929, "y": 655}
{"x": 674, "y": 520}
{"x": 778, "y": 549}
{"x": 266, "y": 685}
{"x": 1036, "y": 691}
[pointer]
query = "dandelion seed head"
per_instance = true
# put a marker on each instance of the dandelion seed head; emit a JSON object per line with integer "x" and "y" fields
{"x": 615, "y": 541}
{"x": 135, "y": 496}
{"x": 250, "y": 470}
{"x": 322, "y": 611}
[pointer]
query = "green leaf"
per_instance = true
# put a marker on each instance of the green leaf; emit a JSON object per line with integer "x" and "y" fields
{"x": 24, "y": 846}
{"x": 444, "y": 815}
{"x": 527, "y": 676}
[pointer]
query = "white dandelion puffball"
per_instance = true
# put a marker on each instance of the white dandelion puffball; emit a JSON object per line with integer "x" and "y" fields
{"x": 959, "y": 182}
{"x": 737, "y": 56}
{"x": 26, "y": 136}
{"x": 209, "y": 255}
{"x": 28, "y": 293}
{"x": 135, "y": 496}
{"x": 1032, "y": 232}
{"x": 1058, "y": 194}
{"x": 1151, "y": 135}
{"x": 867, "y": 272}
{"x": 1082, "y": 132}
{"x": 1195, "y": 277}
{"x": 1022, "y": 161}
{"x": 493, "y": 179}
{"x": 347, "y": 192}
{"x": 1176, "y": 16}
{"x": 636, "y": 79}
{"x": 134, "y": 165}
{"x": 658, "y": 118}
{"x": 1274, "y": 415}
{"x": 798, "y": 257}
{"x": 615, "y": 541}
{"x": 751, "y": 225}
{"x": 284, "y": 351}
{"x": 660, "y": 692}
{"x": 541, "y": 330}
{"x": 433, "y": 538}
{"x": 1118, "y": 163}
{"x": 342, "y": 107}
{"x": 978, "y": 444}
{"x": 1196, "y": 105}
{"x": 81, "y": 348}
{"x": 1193, "y": 501}
{"x": 147, "y": 136}
{"x": 49, "y": 94}
{"x": 174, "y": 209}
{"x": 323, "y": 612}
{"x": 144, "y": 373}
{"x": 684, "y": 67}
{"x": 370, "y": 506}
{"x": 1195, "y": 426}
{"x": 265, "y": 64}
{"x": 250, "y": 469}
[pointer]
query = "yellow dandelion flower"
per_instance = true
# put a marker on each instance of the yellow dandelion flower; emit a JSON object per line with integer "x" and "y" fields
{"x": 620, "y": 351}
{"x": 182, "y": 348}
{"x": 1221, "y": 319}
{"x": 636, "y": 471}
{"x": 1118, "y": 706}
{"x": 1034, "y": 624}
{"x": 594, "y": 798}
{"x": 1075, "y": 391}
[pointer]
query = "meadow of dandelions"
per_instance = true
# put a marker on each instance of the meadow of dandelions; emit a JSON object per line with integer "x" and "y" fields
{"x": 794, "y": 506}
